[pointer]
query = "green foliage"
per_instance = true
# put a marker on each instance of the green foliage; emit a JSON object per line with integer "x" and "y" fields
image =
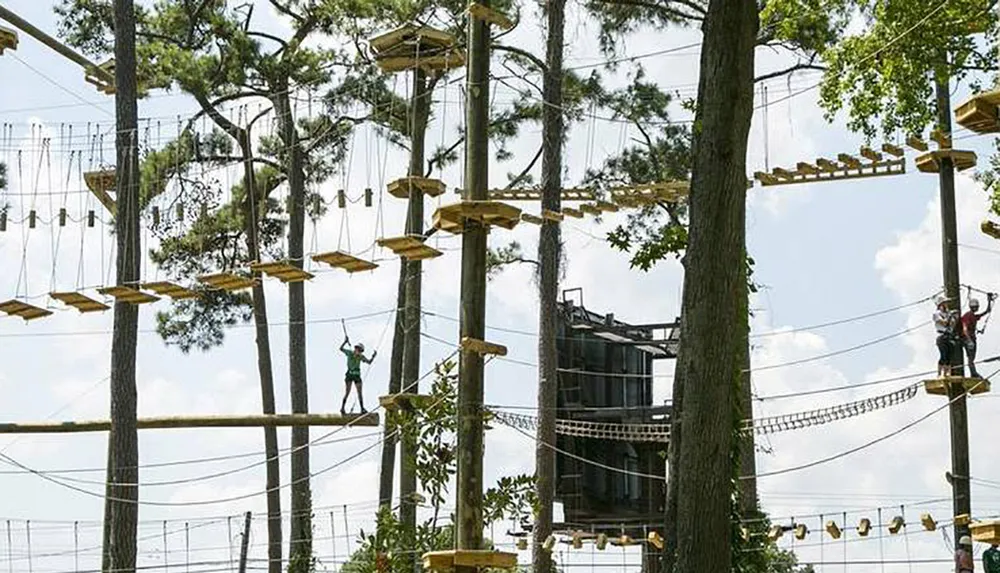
{"x": 884, "y": 79}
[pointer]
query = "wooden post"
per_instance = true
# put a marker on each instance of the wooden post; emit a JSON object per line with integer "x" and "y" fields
{"x": 245, "y": 543}
{"x": 121, "y": 510}
{"x": 469, "y": 493}
{"x": 419, "y": 110}
{"x": 958, "y": 414}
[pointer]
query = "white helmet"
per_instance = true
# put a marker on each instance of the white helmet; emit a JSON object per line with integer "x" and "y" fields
{"x": 973, "y": 303}
{"x": 965, "y": 540}
{"x": 939, "y": 300}
{"x": 360, "y": 347}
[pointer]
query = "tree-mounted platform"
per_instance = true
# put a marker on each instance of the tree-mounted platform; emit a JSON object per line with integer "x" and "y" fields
{"x": 99, "y": 183}
{"x": 940, "y": 386}
{"x": 479, "y": 558}
{"x": 227, "y": 281}
{"x": 79, "y": 301}
{"x": 341, "y": 260}
{"x": 400, "y": 188}
{"x": 980, "y": 113}
{"x": 986, "y": 531}
{"x": 23, "y": 310}
{"x": 410, "y": 46}
{"x": 283, "y": 271}
{"x": 410, "y": 247}
{"x": 177, "y": 422}
{"x": 171, "y": 290}
{"x": 931, "y": 162}
{"x": 131, "y": 295}
{"x": 990, "y": 228}
{"x": 393, "y": 402}
{"x": 452, "y": 218}
{"x": 480, "y": 12}
{"x": 483, "y": 347}
{"x": 8, "y": 39}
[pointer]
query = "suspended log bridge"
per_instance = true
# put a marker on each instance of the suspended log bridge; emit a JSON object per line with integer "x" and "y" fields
{"x": 369, "y": 419}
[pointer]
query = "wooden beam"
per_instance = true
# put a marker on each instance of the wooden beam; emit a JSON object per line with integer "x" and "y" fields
{"x": 175, "y": 422}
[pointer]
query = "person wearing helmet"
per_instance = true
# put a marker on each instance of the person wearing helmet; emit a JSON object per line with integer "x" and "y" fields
{"x": 969, "y": 322}
{"x": 945, "y": 323}
{"x": 964, "y": 563}
{"x": 354, "y": 359}
{"x": 991, "y": 559}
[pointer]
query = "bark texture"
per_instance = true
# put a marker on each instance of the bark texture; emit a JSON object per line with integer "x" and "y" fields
{"x": 714, "y": 301}
{"x": 123, "y": 438}
{"x": 549, "y": 246}
{"x": 389, "y": 437}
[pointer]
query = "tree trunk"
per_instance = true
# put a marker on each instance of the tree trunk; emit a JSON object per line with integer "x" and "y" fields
{"x": 549, "y": 246}
{"x": 389, "y": 437}
{"x": 124, "y": 440}
{"x": 714, "y": 301}
{"x": 300, "y": 542}
{"x": 673, "y": 449}
{"x": 748, "y": 451}
{"x": 419, "y": 109}
{"x": 264, "y": 370}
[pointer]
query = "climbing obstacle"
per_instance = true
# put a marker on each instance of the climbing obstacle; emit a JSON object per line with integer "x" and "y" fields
{"x": 99, "y": 183}
{"x": 283, "y": 271}
{"x": 400, "y": 188}
{"x": 940, "y": 386}
{"x": 570, "y": 212}
{"x": 846, "y": 166}
{"x": 452, "y": 218}
{"x": 171, "y": 290}
{"x": 410, "y": 46}
{"x": 99, "y": 81}
{"x": 230, "y": 282}
{"x": 480, "y": 558}
{"x": 931, "y": 162}
{"x": 532, "y": 219}
{"x": 23, "y": 310}
{"x": 410, "y": 247}
{"x": 482, "y": 347}
{"x": 986, "y": 531}
{"x": 131, "y": 295}
{"x": 79, "y": 301}
{"x": 8, "y": 39}
{"x": 342, "y": 260}
{"x": 979, "y": 113}
{"x": 392, "y": 402}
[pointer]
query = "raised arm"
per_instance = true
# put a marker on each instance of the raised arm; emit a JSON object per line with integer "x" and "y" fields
{"x": 345, "y": 345}
{"x": 369, "y": 360}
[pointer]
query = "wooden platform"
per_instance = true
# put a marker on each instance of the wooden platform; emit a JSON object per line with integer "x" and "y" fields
{"x": 128, "y": 294}
{"x": 393, "y": 401}
{"x": 227, "y": 281}
{"x": 341, "y": 260}
{"x": 480, "y": 12}
{"x": 8, "y": 39}
{"x": 939, "y": 386}
{"x": 410, "y": 46}
{"x": 484, "y": 558}
{"x": 99, "y": 183}
{"x": 172, "y": 422}
{"x": 551, "y": 215}
{"x": 590, "y": 208}
{"x": 532, "y": 219}
{"x": 410, "y": 247}
{"x": 916, "y": 143}
{"x": 979, "y": 113}
{"x": 400, "y": 188}
{"x": 172, "y": 290}
{"x": 990, "y": 228}
{"x": 931, "y": 162}
{"x": 102, "y": 84}
{"x": 846, "y": 166}
{"x": 483, "y": 347}
{"x": 23, "y": 310}
{"x": 452, "y": 218}
{"x": 283, "y": 271}
{"x": 80, "y": 302}
{"x": 571, "y": 212}
{"x": 986, "y": 531}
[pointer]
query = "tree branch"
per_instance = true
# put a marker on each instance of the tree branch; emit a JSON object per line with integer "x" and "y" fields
{"x": 539, "y": 63}
{"x": 283, "y": 43}
{"x": 666, "y": 10}
{"x": 281, "y": 8}
{"x": 527, "y": 169}
{"x": 791, "y": 69}
{"x": 230, "y": 159}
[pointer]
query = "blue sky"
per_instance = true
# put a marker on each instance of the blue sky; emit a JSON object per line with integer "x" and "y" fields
{"x": 824, "y": 252}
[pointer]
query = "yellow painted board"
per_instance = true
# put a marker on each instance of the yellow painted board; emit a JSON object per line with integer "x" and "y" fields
{"x": 128, "y": 294}
{"x": 483, "y": 347}
{"x": 894, "y": 150}
{"x": 806, "y": 168}
{"x": 827, "y": 165}
{"x": 447, "y": 560}
{"x": 283, "y": 271}
{"x": 931, "y": 162}
{"x": 571, "y": 212}
{"x": 914, "y": 142}
{"x": 939, "y": 386}
{"x": 990, "y": 228}
{"x": 849, "y": 160}
{"x": 81, "y": 302}
{"x": 397, "y": 244}
{"x": 782, "y": 173}
{"x": 227, "y": 281}
{"x": 393, "y": 401}
{"x": 342, "y": 260}
{"x": 590, "y": 208}
{"x": 979, "y": 113}
{"x": 552, "y": 215}
{"x": 606, "y": 206}
{"x": 172, "y": 290}
{"x": 400, "y": 188}
{"x": 533, "y": 219}
{"x": 451, "y": 60}
{"x": 23, "y": 310}
{"x": 452, "y": 218}
{"x": 408, "y": 33}
{"x": 985, "y": 531}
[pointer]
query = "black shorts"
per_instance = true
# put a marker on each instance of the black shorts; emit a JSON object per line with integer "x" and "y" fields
{"x": 356, "y": 378}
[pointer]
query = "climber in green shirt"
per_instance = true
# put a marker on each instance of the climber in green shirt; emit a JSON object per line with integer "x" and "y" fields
{"x": 354, "y": 359}
{"x": 991, "y": 559}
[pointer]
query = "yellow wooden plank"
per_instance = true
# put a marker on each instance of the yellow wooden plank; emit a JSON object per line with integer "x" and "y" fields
{"x": 394, "y": 401}
{"x": 483, "y": 347}
{"x": 590, "y": 209}
{"x": 990, "y": 228}
{"x": 452, "y": 218}
{"x": 480, "y": 12}
{"x": 410, "y": 33}
{"x": 552, "y": 215}
{"x": 227, "y": 281}
{"x": 81, "y": 302}
{"x": 283, "y": 271}
{"x": 931, "y": 162}
{"x": 102, "y": 85}
{"x": 128, "y": 294}
{"x": 400, "y": 188}
{"x": 369, "y": 419}
{"x": 765, "y": 178}
{"x": 942, "y": 139}
{"x": 849, "y": 160}
{"x": 827, "y": 165}
{"x": 928, "y": 522}
{"x": 915, "y": 142}
{"x": 571, "y": 212}
{"x": 806, "y": 168}
{"x": 349, "y": 263}
{"x": 448, "y": 61}
{"x": 894, "y": 150}
{"x": 782, "y": 173}
{"x": 871, "y": 154}
{"x": 533, "y": 219}
{"x": 986, "y": 531}
{"x": 23, "y": 310}
{"x": 939, "y": 386}
{"x": 172, "y": 290}
{"x": 8, "y": 39}
{"x": 606, "y": 206}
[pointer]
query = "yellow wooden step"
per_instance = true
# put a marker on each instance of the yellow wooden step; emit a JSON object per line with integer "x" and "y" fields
{"x": 552, "y": 215}
{"x": 283, "y": 271}
{"x": 979, "y": 113}
{"x": 100, "y": 183}
{"x": 533, "y": 219}
{"x": 23, "y": 310}
{"x": 483, "y": 347}
{"x": 172, "y": 290}
{"x": 81, "y": 302}
{"x": 427, "y": 37}
{"x": 864, "y": 527}
{"x": 893, "y": 150}
{"x": 833, "y": 529}
{"x": 394, "y": 401}
{"x": 400, "y": 188}
{"x": 986, "y": 531}
{"x": 928, "y": 522}
{"x": 916, "y": 143}
{"x": 8, "y": 39}
{"x": 490, "y": 15}
{"x": 103, "y": 85}
{"x": 931, "y": 162}
{"x": 481, "y": 558}
{"x": 939, "y": 386}
{"x": 227, "y": 281}
{"x": 452, "y": 218}
{"x": 870, "y": 154}
{"x": 827, "y": 165}
{"x": 896, "y": 524}
{"x": 590, "y": 208}
{"x": 411, "y": 247}
{"x": 571, "y": 212}
{"x": 341, "y": 260}
{"x": 128, "y": 294}
{"x": 606, "y": 206}
{"x": 990, "y": 228}
{"x": 849, "y": 160}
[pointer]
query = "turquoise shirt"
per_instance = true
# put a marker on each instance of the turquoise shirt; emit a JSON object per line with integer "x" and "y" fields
{"x": 353, "y": 361}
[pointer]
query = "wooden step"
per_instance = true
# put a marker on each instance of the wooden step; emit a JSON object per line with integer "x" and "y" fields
{"x": 480, "y": 12}
{"x": 283, "y": 271}
{"x": 394, "y": 401}
{"x": 23, "y": 310}
{"x": 410, "y": 247}
{"x": 986, "y": 531}
{"x": 939, "y": 386}
{"x": 81, "y": 302}
{"x": 128, "y": 294}
{"x": 483, "y": 347}
{"x": 341, "y": 260}
{"x": 8, "y": 39}
{"x": 980, "y": 113}
{"x": 400, "y": 188}
{"x": 480, "y": 558}
{"x": 452, "y": 218}
{"x": 931, "y": 162}
{"x": 227, "y": 281}
{"x": 172, "y": 290}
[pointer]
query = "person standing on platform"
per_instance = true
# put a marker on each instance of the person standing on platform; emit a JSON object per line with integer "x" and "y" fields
{"x": 945, "y": 323}
{"x": 354, "y": 359}
{"x": 964, "y": 563}
{"x": 991, "y": 559}
{"x": 970, "y": 320}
